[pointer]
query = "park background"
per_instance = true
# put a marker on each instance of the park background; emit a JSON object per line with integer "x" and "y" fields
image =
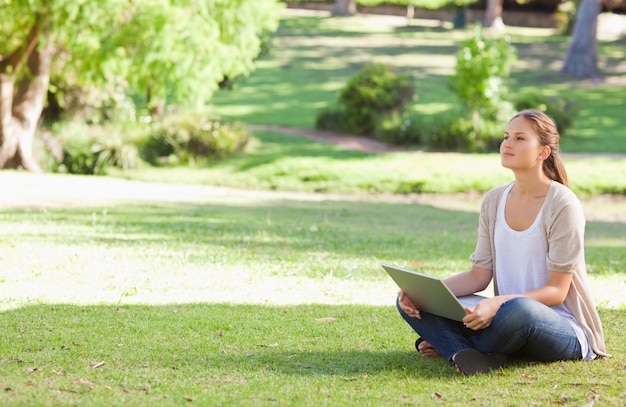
{"x": 254, "y": 279}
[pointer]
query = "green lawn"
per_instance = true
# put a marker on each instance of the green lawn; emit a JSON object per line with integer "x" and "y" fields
{"x": 125, "y": 293}
{"x": 275, "y": 161}
{"x": 314, "y": 56}
{"x": 177, "y": 291}
{"x": 261, "y": 355}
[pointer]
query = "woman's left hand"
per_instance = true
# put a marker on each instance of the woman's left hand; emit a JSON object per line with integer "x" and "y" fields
{"x": 482, "y": 314}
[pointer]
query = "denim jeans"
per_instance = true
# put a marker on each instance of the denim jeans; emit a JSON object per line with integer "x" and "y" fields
{"x": 522, "y": 326}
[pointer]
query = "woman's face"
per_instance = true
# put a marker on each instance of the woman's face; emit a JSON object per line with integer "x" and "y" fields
{"x": 521, "y": 147}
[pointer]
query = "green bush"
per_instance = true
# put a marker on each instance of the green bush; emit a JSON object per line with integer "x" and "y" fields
{"x": 189, "y": 136}
{"x": 454, "y": 133}
{"x": 331, "y": 119}
{"x": 374, "y": 93}
{"x": 91, "y": 149}
{"x": 562, "y": 110}
{"x": 483, "y": 65}
{"x": 401, "y": 130}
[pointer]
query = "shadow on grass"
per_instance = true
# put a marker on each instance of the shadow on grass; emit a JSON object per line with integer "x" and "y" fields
{"x": 272, "y": 229}
{"x": 292, "y": 147}
{"x": 221, "y": 354}
{"x": 223, "y": 339}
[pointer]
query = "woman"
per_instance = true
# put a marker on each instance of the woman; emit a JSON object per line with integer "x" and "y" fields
{"x": 530, "y": 243}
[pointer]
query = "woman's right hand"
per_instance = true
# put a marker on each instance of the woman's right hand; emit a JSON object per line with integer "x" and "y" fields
{"x": 407, "y": 306}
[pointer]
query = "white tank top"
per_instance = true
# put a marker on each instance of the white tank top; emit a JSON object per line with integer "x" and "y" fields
{"x": 521, "y": 265}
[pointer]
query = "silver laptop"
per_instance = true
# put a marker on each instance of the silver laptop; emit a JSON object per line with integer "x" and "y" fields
{"x": 430, "y": 294}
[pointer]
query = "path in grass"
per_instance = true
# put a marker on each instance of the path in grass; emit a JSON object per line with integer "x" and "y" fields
{"x": 40, "y": 192}
{"x": 361, "y": 143}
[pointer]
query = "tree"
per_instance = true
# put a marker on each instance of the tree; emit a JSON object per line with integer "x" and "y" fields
{"x": 493, "y": 16}
{"x": 581, "y": 60}
{"x": 344, "y": 8}
{"x": 177, "y": 53}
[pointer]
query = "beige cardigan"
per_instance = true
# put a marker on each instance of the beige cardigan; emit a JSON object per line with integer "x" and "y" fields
{"x": 563, "y": 228}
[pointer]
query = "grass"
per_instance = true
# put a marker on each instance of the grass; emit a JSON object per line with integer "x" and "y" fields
{"x": 242, "y": 355}
{"x": 222, "y": 297}
{"x": 115, "y": 292}
{"x": 313, "y": 57}
{"x": 280, "y": 162}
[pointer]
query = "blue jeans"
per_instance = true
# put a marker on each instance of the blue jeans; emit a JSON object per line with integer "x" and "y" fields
{"x": 522, "y": 326}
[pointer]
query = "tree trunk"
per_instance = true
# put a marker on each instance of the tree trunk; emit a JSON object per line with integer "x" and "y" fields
{"x": 581, "y": 60}
{"x": 8, "y": 140}
{"x": 410, "y": 13}
{"x": 493, "y": 16}
{"x": 344, "y": 8}
{"x": 20, "y": 110}
{"x": 28, "y": 105}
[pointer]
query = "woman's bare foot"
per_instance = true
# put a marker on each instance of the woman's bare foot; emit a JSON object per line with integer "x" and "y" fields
{"x": 426, "y": 349}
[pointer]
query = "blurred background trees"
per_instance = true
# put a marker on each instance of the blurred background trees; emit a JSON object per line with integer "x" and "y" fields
{"x": 116, "y": 56}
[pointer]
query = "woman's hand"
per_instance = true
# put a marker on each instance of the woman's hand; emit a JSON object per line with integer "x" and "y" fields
{"x": 407, "y": 306}
{"x": 482, "y": 314}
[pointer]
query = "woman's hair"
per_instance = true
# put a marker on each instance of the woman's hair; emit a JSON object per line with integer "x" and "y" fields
{"x": 548, "y": 134}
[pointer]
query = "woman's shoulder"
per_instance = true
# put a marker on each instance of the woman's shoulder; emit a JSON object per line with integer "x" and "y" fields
{"x": 562, "y": 194}
{"x": 562, "y": 200}
{"x": 492, "y": 198}
{"x": 496, "y": 192}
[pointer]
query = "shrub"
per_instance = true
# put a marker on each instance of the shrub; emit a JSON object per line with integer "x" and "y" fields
{"x": 375, "y": 92}
{"x": 562, "y": 110}
{"x": 331, "y": 119}
{"x": 401, "y": 130}
{"x": 454, "y": 133}
{"x": 188, "y": 136}
{"x": 483, "y": 64}
{"x": 91, "y": 149}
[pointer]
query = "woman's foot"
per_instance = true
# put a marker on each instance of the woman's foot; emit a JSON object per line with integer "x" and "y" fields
{"x": 471, "y": 361}
{"x": 426, "y": 349}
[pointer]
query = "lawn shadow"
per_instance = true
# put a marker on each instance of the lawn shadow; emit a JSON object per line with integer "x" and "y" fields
{"x": 214, "y": 339}
{"x": 292, "y": 147}
{"x": 269, "y": 229}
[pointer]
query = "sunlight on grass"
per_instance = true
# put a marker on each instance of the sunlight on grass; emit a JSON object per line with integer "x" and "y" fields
{"x": 316, "y": 55}
{"x": 159, "y": 243}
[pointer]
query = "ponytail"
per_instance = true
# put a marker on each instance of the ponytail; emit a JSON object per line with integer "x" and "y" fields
{"x": 555, "y": 170}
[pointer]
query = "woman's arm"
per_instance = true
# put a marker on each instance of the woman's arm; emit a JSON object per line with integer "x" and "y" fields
{"x": 553, "y": 293}
{"x": 470, "y": 282}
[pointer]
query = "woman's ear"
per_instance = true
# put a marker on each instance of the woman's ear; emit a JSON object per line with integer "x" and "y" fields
{"x": 545, "y": 152}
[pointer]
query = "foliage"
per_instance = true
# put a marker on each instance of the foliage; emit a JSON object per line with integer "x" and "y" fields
{"x": 483, "y": 65}
{"x": 93, "y": 149}
{"x": 562, "y": 110}
{"x": 186, "y": 136}
{"x": 165, "y": 52}
{"x": 332, "y": 118}
{"x": 456, "y": 133}
{"x": 401, "y": 130}
{"x": 566, "y": 16}
{"x": 428, "y": 4}
{"x": 373, "y": 93}
{"x": 180, "y": 54}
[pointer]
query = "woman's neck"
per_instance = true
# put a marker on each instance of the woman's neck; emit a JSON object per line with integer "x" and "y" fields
{"x": 531, "y": 185}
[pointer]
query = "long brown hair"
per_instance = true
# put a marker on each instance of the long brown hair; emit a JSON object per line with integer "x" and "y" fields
{"x": 548, "y": 134}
